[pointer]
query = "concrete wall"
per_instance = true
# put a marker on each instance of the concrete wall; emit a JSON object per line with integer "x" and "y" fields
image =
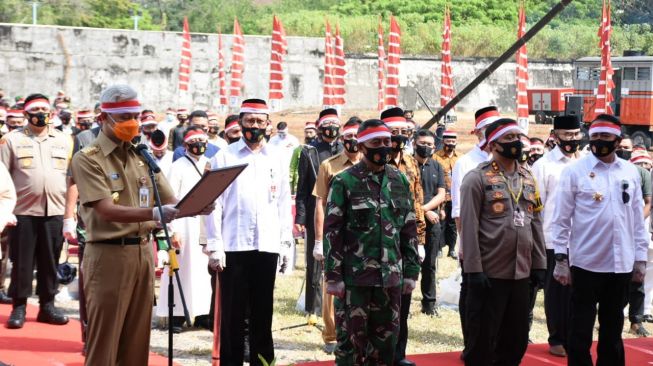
{"x": 82, "y": 61}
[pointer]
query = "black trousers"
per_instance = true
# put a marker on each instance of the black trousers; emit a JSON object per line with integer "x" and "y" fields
{"x": 557, "y": 299}
{"x": 429, "y": 266}
{"x": 462, "y": 306}
{"x": 497, "y": 323}
{"x": 36, "y": 241}
{"x": 247, "y": 281}
{"x": 4, "y": 248}
{"x": 532, "y": 294}
{"x": 313, "y": 290}
{"x": 402, "y": 338}
{"x": 449, "y": 232}
{"x": 635, "y": 302}
{"x": 610, "y": 292}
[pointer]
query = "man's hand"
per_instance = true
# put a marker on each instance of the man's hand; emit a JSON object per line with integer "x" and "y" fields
{"x": 7, "y": 220}
{"x": 478, "y": 279}
{"x": 432, "y": 217}
{"x": 169, "y": 213}
{"x": 217, "y": 261}
{"x": 537, "y": 277}
{"x": 561, "y": 272}
{"x": 421, "y": 253}
{"x": 318, "y": 251}
{"x": 336, "y": 289}
{"x": 162, "y": 258}
{"x": 69, "y": 228}
{"x": 205, "y": 251}
{"x": 409, "y": 286}
{"x": 639, "y": 271}
{"x": 176, "y": 243}
{"x": 208, "y": 209}
{"x": 299, "y": 228}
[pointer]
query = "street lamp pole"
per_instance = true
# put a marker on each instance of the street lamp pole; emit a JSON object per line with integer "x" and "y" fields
{"x": 35, "y": 5}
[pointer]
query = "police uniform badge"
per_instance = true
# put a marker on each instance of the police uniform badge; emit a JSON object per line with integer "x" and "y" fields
{"x": 498, "y": 207}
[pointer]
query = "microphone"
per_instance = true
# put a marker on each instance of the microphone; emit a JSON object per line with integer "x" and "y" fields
{"x": 149, "y": 159}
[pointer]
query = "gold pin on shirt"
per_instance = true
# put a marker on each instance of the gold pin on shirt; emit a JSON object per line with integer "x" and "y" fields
{"x": 598, "y": 197}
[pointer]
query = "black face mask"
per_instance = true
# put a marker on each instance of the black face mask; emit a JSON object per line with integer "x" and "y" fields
{"x": 511, "y": 150}
{"x": 38, "y": 119}
{"x": 351, "y": 145}
{"x": 65, "y": 121}
{"x": 533, "y": 158}
{"x": 378, "y": 155}
{"x": 84, "y": 126}
{"x": 309, "y": 140}
{"x": 569, "y": 147}
{"x": 524, "y": 156}
{"x": 624, "y": 154}
{"x": 231, "y": 140}
{"x": 423, "y": 151}
{"x": 197, "y": 148}
{"x": 398, "y": 142}
{"x": 449, "y": 147}
{"x": 330, "y": 131}
{"x": 253, "y": 134}
{"x": 601, "y": 148}
{"x": 213, "y": 130}
{"x": 267, "y": 137}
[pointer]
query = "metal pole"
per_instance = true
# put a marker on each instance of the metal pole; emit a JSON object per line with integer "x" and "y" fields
{"x": 136, "y": 17}
{"x": 34, "y": 6}
{"x": 498, "y": 62}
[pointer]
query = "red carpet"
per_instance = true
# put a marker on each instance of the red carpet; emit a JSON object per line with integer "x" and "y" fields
{"x": 639, "y": 352}
{"x": 44, "y": 344}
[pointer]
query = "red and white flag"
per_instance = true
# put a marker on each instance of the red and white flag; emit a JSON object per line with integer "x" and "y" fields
{"x": 394, "y": 59}
{"x": 237, "y": 64}
{"x": 446, "y": 76}
{"x": 328, "y": 94}
{"x": 186, "y": 56}
{"x": 522, "y": 73}
{"x": 222, "y": 79}
{"x": 339, "y": 70}
{"x": 381, "y": 69}
{"x": 604, "y": 91}
{"x": 278, "y": 50}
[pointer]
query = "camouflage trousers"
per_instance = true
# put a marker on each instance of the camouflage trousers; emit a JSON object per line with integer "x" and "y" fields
{"x": 367, "y": 325}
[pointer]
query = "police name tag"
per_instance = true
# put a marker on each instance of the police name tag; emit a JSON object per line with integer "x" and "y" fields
{"x": 518, "y": 218}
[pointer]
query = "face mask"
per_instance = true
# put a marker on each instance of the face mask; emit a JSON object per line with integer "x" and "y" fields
{"x": 533, "y": 158}
{"x": 330, "y": 131}
{"x": 267, "y": 137}
{"x": 197, "y": 148}
{"x": 379, "y": 155}
{"x": 282, "y": 134}
{"x": 351, "y": 145}
{"x": 398, "y": 142}
{"x": 39, "y": 119}
{"x": 601, "y": 148}
{"x": 511, "y": 150}
{"x": 170, "y": 118}
{"x": 624, "y": 154}
{"x": 11, "y": 128}
{"x": 253, "y": 134}
{"x": 449, "y": 147}
{"x": 182, "y": 120}
{"x": 65, "y": 121}
{"x": 309, "y": 140}
{"x": 213, "y": 131}
{"x": 232, "y": 139}
{"x": 84, "y": 126}
{"x": 569, "y": 147}
{"x": 125, "y": 131}
{"x": 423, "y": 151}
{"x": 523, "y": 157}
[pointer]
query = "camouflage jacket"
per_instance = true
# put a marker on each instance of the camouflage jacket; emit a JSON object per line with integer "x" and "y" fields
{"x": 370, "y": 235}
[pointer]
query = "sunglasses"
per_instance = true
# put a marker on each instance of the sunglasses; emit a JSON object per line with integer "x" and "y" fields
{"x": 624, "y": 195}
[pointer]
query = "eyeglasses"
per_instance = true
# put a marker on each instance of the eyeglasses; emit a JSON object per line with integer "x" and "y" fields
{"x": 624, "y": 195}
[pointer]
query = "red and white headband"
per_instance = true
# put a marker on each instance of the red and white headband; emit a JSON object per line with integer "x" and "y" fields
{"x": 84, "y": 114}
{"x": 350, "y": 129}
{"x": 328, "y": 118}
{"x": 36, "y": 103}
{"x": 231, "y": 126}
{"x": 148, "y": 119}
{"x": 258, "y": 108}
{"x": 641, "y": 159}
{"x": 126, "y": 106}
{"x": 395, "y": 122}
{"x": 449, "y": 135}
{"x": 486, "y": 118}
{"x": 15, "y": 113}
{"x": 503, "y": 130}
{"x": 196, "y": 134}
{"x": 373, "y": 133}
{"x": 309, "y": 125}
{"x": 605, "y": 127}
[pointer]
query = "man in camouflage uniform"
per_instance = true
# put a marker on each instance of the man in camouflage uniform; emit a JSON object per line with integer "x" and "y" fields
{"x": 371, "y": 244}
{"x": 400, "y": 130}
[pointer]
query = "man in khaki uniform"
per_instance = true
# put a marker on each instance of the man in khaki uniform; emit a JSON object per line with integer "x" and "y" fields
{"x": 503, "y": 249}
{"x": 117, "y": 205}
{"x": 37, "y": 158}
{"x": 447, "y": 158}
{"x": 329, "y": 169}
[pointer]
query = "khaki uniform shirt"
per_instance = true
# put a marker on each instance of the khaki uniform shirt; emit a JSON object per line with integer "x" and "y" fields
{"x": 329, "y": 169}
{"x": 408, "y": 166}
{"x": 447, "y": 164}
{"x": 105, "y": 169}
{"x": 38, "y": 166}
{"x": 491, "y": 241}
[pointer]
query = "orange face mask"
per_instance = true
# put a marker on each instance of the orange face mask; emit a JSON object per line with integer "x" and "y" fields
{"x": 126, "y": 130}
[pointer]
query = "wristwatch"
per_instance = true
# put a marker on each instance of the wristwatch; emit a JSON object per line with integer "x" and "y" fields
{"x": 560, "y": 257}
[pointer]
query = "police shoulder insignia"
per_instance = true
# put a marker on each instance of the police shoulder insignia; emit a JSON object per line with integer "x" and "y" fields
{"x": 90, "y": 150}
{"x": 497, "y": 195}
{"x": 498, "y": 207}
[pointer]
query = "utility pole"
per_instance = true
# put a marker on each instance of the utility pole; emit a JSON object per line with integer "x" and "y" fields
{"x": 136, "y": 16}
{"x": 35, "y": 5}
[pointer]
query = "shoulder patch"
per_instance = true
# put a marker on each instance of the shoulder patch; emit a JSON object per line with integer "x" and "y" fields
{"x": 90, "y": 150}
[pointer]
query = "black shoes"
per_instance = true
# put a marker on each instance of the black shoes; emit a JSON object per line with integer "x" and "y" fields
{"x": 51, "y": 315}
{"x": 452, "y": 255}
{"x": 430, "y": 311}
{"x": 405, "y": 362}
{"x": 4, "y": 299}
{"x": 17, "y": 317}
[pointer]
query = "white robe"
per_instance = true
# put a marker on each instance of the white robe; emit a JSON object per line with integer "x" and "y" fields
{"x": 193, "y": 273}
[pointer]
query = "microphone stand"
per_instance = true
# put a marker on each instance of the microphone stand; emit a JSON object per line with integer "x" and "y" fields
{"x": 173, "y": 266}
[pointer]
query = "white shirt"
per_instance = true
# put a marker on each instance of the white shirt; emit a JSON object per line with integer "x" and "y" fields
{"x": 463, "y": 166}
{"x": 547, "y": 171}
{"x": 165, "y": 163}
{"x": 604, "y": 233}
{"x": 286, "y": 145}
{"x": 219, "y": 142}
{"x": 254, "y": 212}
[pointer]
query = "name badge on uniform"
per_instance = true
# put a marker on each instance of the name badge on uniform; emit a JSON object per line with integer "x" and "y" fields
{"x": 518, "y": 217}
{"x": 144, "y": 194}
{"x": 273, "y": 186}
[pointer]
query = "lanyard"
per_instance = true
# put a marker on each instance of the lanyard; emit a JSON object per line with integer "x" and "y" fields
{"x": 195, "y": 166}
{"x": 517, "y": 196}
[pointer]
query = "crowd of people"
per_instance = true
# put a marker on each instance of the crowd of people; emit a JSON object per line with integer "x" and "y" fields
{"x": 376, "y": 202}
